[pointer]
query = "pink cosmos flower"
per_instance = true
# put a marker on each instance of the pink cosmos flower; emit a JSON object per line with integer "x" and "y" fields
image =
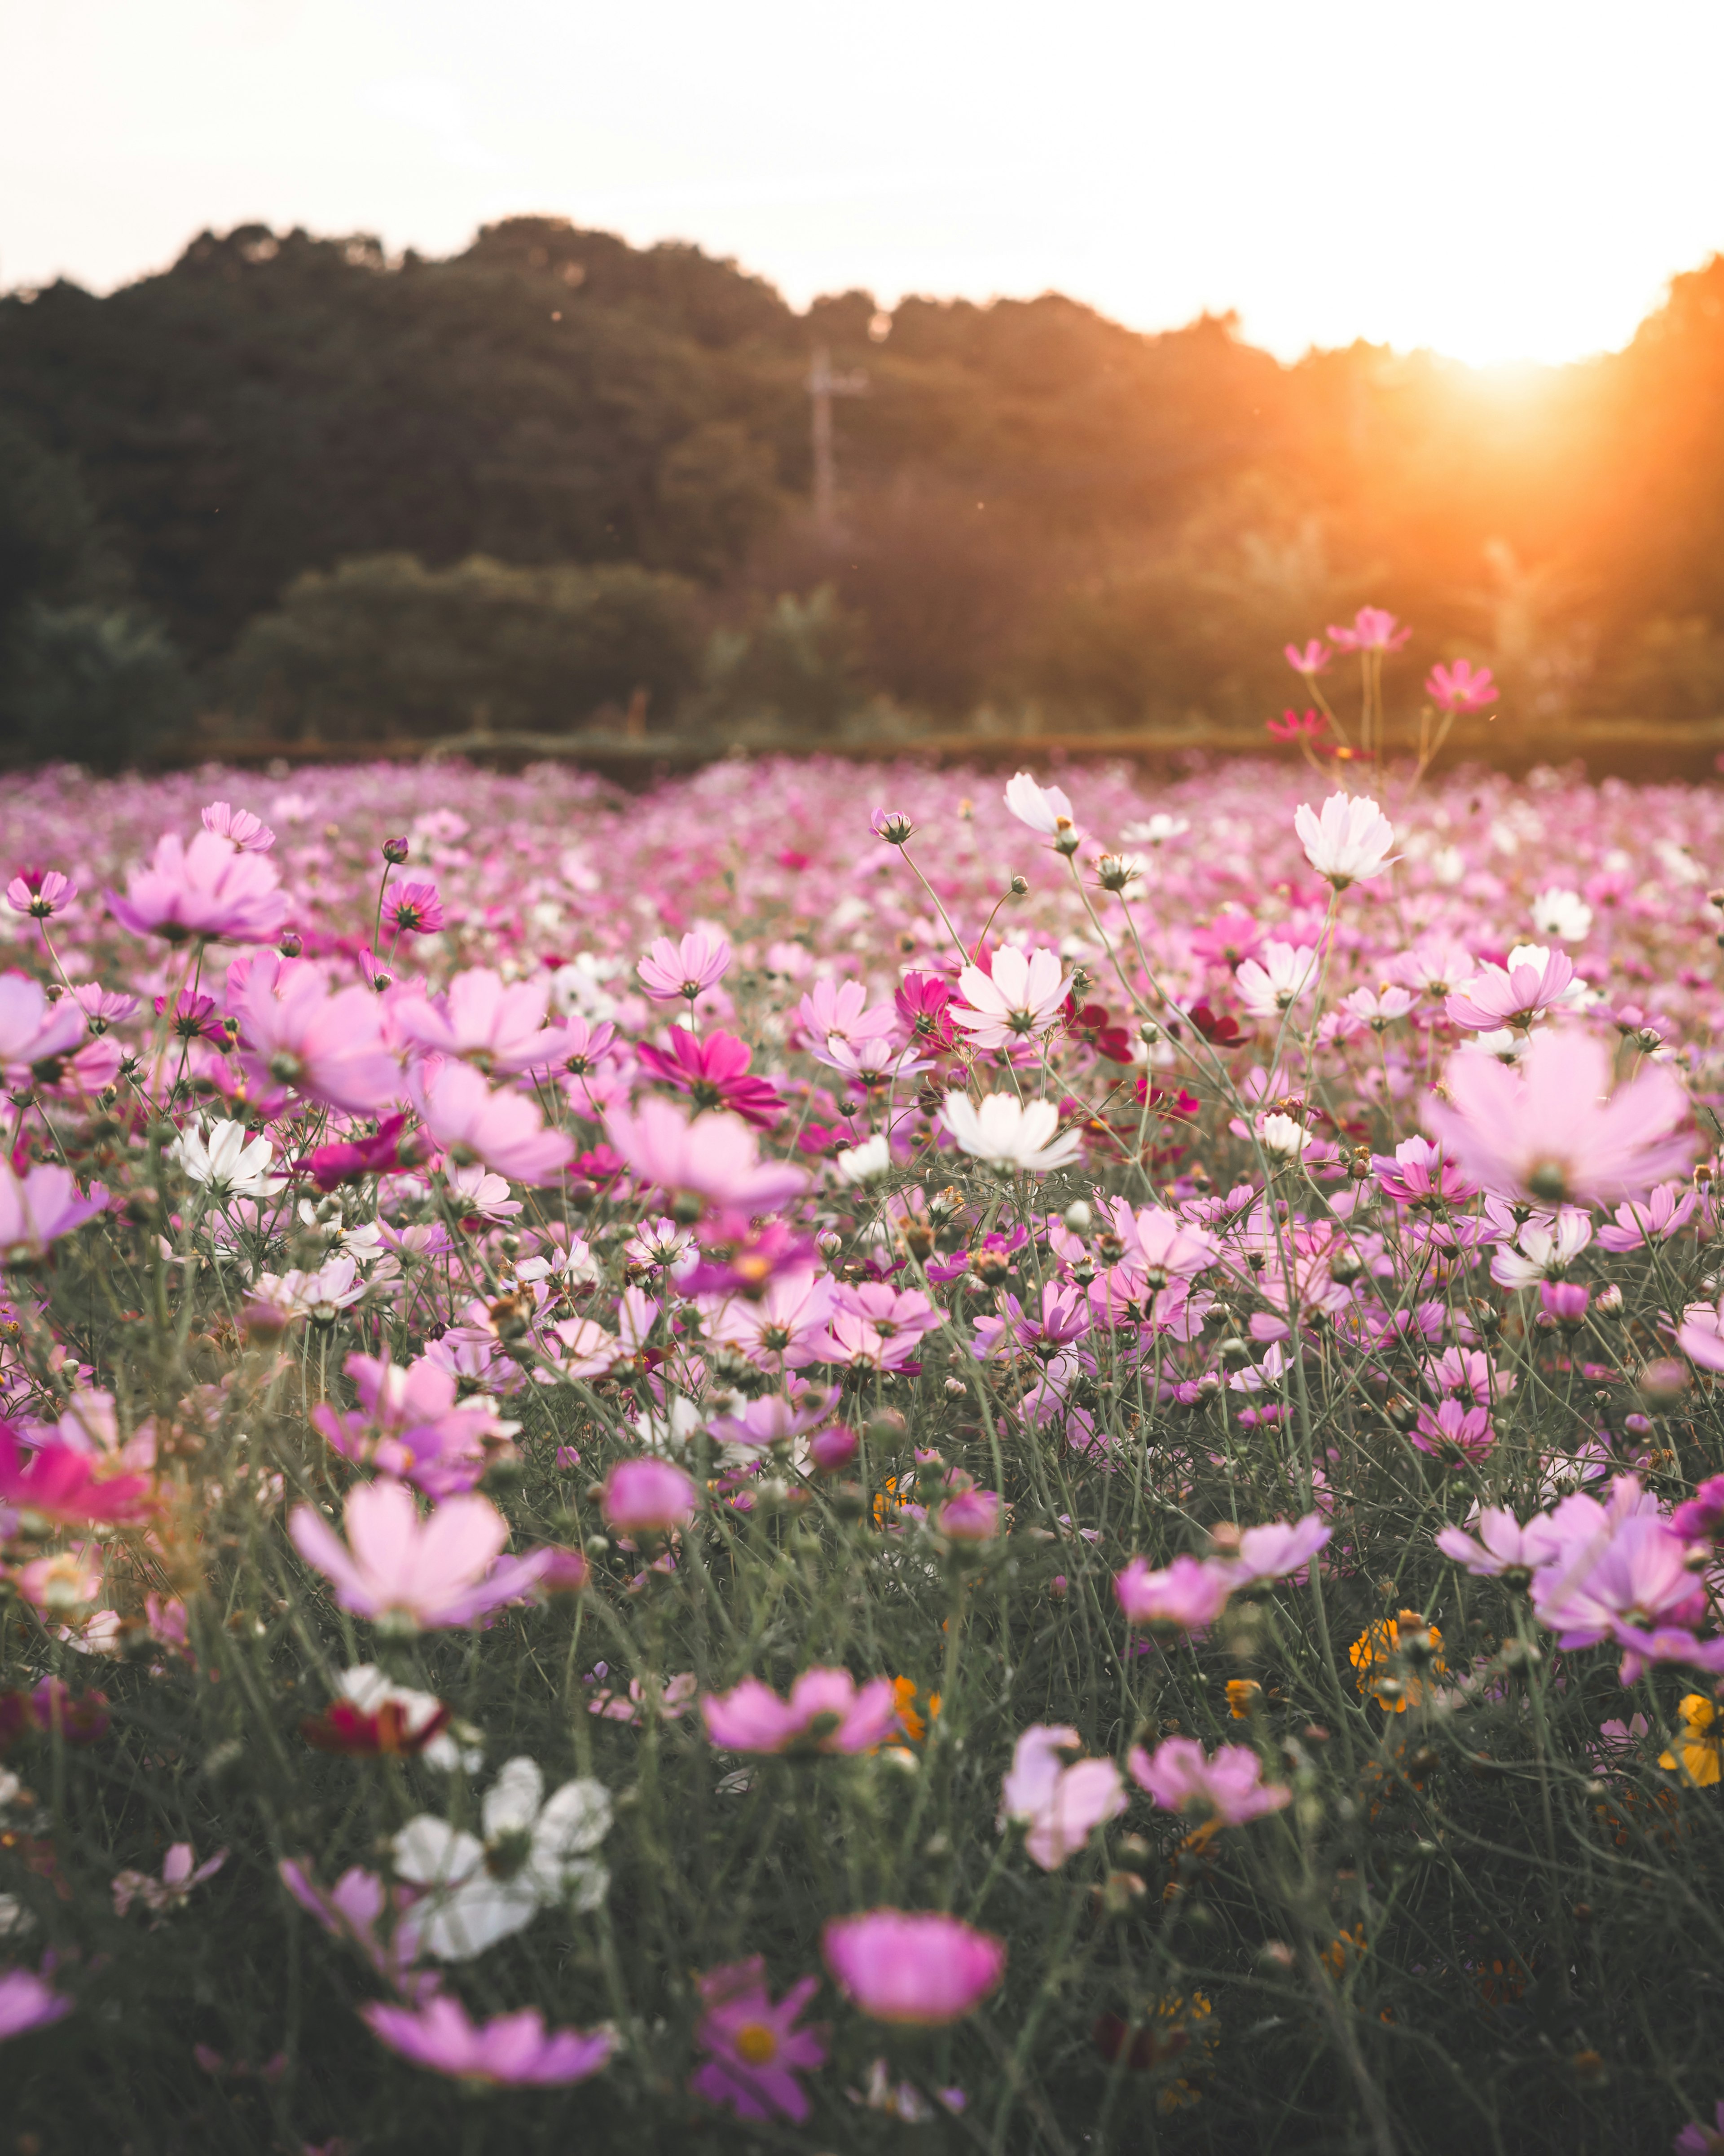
{"x": 498, "y": 1028}
{"x": 102, "y": 1007}
{"x": 1163, "y": 1247}
{"x": 1673, "y": 1644}
{"x": 1419, "y": 1174}
{"x": 1460, "y": 688}
{"x": 688, "y": 968}
{"x": 1535, "y": 982}
{"x": 432, "y": 1574}
{"x": 1452, "y": 1430}
{"x": 27, "y": 2002}
{"x": 824, "y": 1712}
{"x": 784, "y": 1328}
{"x": 1279, "y": 1549}
{"x": 512, "y": 2050}
{"x": 329, "y": 1048}
{"x": 1665, "y": 1211}
{"x": 180, "y": 1873}
{"x": 37, "y": 1209}
{"x": 1307, "y": 659}
{"x": 879, "y": 1325}
{"x": 40, "y": 893}
{"x": 648, "y": 1496}
{"x": 921, "y": 1968}
{"x": 1701, "y": 1517}
{"x": 353, "y": 1911}
{"x": 1502, "y": 1546}
{"x": 389, "y": 1150}
{"x": 504, "y": 1131}
{"x": 59, "y": 1483}
{"x": 755, "y": 2046}
{"x": 1546, "y": 1130}
{"x": 714, "y": 1072}
{"x": 1349, "y": 843}
{"x": 1191, "y": 1593}
{"x": 204, "y": 891}
{"x": 1373, "y": 629}
{"x": 245, "y": 832}
{"x": 413, "y": 909}
{"x": 34, "y": 1030}
{"x": 973, "y": 1515}
{"x": 1060, "y": 1804}
{"x": 838, "y": 1011}
{"x": 1226, "y": 1786}
{"x": 1021, "y": 997}
{"x": 1044, "y": 808}
{"x": 408, "y": 1424}
{"x": 713, "y": 1157}
{"x": 922, "y": 1002}
{"x": 1698, "y": 2140}
{"x": 1635, "y": 1574}
{"x": 1280, "y": 976}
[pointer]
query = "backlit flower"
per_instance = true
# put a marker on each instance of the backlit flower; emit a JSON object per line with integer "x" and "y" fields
{"x": 1044, "y": 809}
{"x": 1349, "y": 842}
{"x": 688, "y": 968}
{"x": 1372, "y": 628}
{"x": 1020, "y": 998}
{"x": 1461, "y": 687}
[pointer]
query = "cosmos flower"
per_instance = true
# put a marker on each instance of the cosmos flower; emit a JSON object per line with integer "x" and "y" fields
{"x": 1461, "y": 687}
{"x": 1372, "y": 628}
{"x": 1281, "y": 975}
{"x": 227, "y": 1161}
{"x": 448, "y": 1571}
{"x": 1010, "y": 1135}
{"x": 1190, "y": 1595}
{"x": 648, "y": 1496}
{"x": 40, "y": 893}
{"x": 1060, "y": 1804}
{"x": 713, "y": 1158}
{"x": 1044, "y": 808}
{"x": 37, "y": 1208}
{"x": 826, "y": 1712}
{"x": 1349, "y": 843}
{"x": 28, "y": 2001}
{"x": 754, "y": 2048}
{"x": 921, "y": 1969}
{"x": 329, "y": 1048}
{"x": 688, "y": 968}
{"x": 510, "y": 2051}
{"x": 1225, "y": 1785}
{"x": 714, "y": 1073}
{"x": 504, "y": 1131}
{"x": 203, "y": 892}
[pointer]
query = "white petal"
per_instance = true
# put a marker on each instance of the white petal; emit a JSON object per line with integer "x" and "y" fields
{"x": 577, "y": 1817}
{"x": 476, "y": 1916}
{"x": 511, "y": 1803}
{"x": 432, "y": 1853}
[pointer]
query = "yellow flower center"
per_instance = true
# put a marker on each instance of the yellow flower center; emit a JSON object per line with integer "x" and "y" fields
{"x": 756, "y": 2045}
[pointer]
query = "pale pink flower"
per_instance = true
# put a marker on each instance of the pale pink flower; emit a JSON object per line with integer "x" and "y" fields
{"x": 1373, "y": 630}
{"x": 784, "y": 1328}
{"x": 648, "y": 1496}
{"x": 1665, "y": 1211}
{"x": 1349, "y": 843}
{"x": 833, "y": 1011}
{"x": 875, "y": 1323}
{"x": 1535, "y": 983}
{"x": 1164, "y": 1246}
{"x": 688, "y": 968}
{"x": 503, "y": 1130}
{"x": 1378, "y": 1007}
{"x": 329, "y": 1048}
{"x": 512, "y": 2050}
{"x": 1545, "y": 1130}
{"x": 34, "y": 1030}
{"x": 1191, "y": 1593}
{"x": 1044, "y": 809}
{"x": 1307, "y": 659}
{"x": 497, "y": 1027}
{"x": 205, "y": 890}
{"x": 715, "y": 1157}
{"x": 28, "y": 2001}
{"x": 1700, "y": 1335}
{"x": 245, "y": 832}
{"x": 1020, "y": 998}
{"x": 1226, "y": 1786}
{"x": 1636, "y": 1574}
{"x": 1543, "y": 1247}
{"x": 826, "y": 1712}
{"x": 395, "y": 1567}
{"x": 1502, "y": 1545}
{"x": 921, "y": 1968}
{"x": 1452, "y": 1429}
{"x": 1281, "y": 975}
{"x": 1061, "y": 1806}
{"x": 40, "y": 893}
{"x": 1279, "y": 1549}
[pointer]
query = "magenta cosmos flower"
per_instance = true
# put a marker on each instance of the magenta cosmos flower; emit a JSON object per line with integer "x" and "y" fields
{"x": 413, "y": 909}
{"x": 329, "y": 1048}
{"x": 205, "y": 891}
{"x": 973, "y": 1515}
{"x": 714, "y": 1073}
{"x": 1698, "y": 2140}
{"x": 245, "y": 832}
{"x": 824, "y": 1712}
{"x": 713, "y": 1157}
{"x": 38, "y": 1208}
{"x": 41, "y": 893}
{"x": 1545, "y": 1131}
{"x": 431, "y": 1574}
{"x": 755, "y": 2046}
{"x": 919, "y": 1967}
{"x": 514, "y": 2051}
{"x": 504, "y": 1132}
{"x": 28, "y": 2002}
{"x": 1349, "y": 843}
{"x": 1373, "y": 628}
{"x": 688, "y": 968}
{"x": 1191, "y": 1593}
{"x": 60, "y": 1485}
{"x": 1227, "y": 1785}
{"x": 1060, "y": 1804}
{"x": 648, "y": 1496}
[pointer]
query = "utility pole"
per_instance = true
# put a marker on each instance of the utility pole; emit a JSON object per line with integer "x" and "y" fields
{"x": 822, "y": 385}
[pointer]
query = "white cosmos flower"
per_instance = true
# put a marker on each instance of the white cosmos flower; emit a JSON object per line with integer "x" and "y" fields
{"x": 1044, "y": 809}
{"x": 1564, "y": 914}
{"x": 534, "y": 1855}
{"x": 1008, "y": 1133}
{"x": 1349, "y": 843}
{"x": 1283, "y": 1138}
{"x": 1276, "y": 978}
{"x": 868, "y": 1161}
{"x": 1021, "y": 997}
{"x": 1156, "y": 830}
{"x": 226, "y": 1163}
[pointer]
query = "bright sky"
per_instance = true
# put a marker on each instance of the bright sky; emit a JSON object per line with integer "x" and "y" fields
{"x": 1495, "y": 178}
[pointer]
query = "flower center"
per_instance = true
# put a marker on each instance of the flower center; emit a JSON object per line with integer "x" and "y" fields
{"x": 756, "y": 2045}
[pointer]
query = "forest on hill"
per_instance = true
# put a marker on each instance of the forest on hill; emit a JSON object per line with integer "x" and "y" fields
{"x": 312, "y": 493}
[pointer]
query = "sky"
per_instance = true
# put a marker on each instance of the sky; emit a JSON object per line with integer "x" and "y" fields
{"x": 1514, "y": 180}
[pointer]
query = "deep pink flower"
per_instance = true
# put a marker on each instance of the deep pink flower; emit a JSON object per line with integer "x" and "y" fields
{"x": 413, "y": 909}
{"x": 28, "y": 2001}
{"x": 755, "y": 2046}
{"x": 714, "y": 1072}
{"x": 1665, "y": 1211}
{"x": 504, "y": 1131}
{"x": 1698, "y": 2140}
{"x": 329, "y": 1048}
{"x": 1419, "y": 1173}
{"x": 410, "y": 1423}
{"x": 923, "y": 1003}
{"x": 1191, "y": 1593}
{"x": 60, "y": 1484}
{"x": 1545, "y": 1132}
{"x": 1373, "y": 629}
{"x": 429, "y": 1573}
{"x": 688, "y": 968}
{"x": 648, "y": 1496}
{"x": 973, "y": 1515}
{"x": 1460, "y": 688}
{"x": 922, "y": 1968}
{"x": 824, "y": 1712}
{"x": 205, "y": 890}
{"x": 1453, "y": 1430}
{"x": 713, "y": 1157}
{"x": 1226, "y": 1786}
{"x": 386, "y": 1152}
{"x": 512, "y": 2050}
{"x": 1701, "y": 1517}
{"x": 41, "y": 893}
{"x": 1060, "y": 1804}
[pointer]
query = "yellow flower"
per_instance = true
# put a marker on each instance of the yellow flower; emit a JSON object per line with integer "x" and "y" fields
{"x": 1244, "y": 1694}
{"x": 1702, "y": 1753}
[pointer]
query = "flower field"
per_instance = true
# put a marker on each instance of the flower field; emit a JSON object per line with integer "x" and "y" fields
{"x": 852, "y": 1458}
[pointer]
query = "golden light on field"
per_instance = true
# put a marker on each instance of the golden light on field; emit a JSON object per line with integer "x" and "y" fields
{"x": 1494, "y": 181}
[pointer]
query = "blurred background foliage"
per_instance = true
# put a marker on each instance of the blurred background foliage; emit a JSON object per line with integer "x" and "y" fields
{"x": 291, "y": 491}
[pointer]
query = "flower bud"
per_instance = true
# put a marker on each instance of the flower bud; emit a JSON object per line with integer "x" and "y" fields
{"x": 395, "y": 851}
{"x": 290, "y": 945}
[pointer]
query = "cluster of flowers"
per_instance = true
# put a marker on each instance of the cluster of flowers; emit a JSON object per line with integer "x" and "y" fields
{"x": 958, "y": 1196}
